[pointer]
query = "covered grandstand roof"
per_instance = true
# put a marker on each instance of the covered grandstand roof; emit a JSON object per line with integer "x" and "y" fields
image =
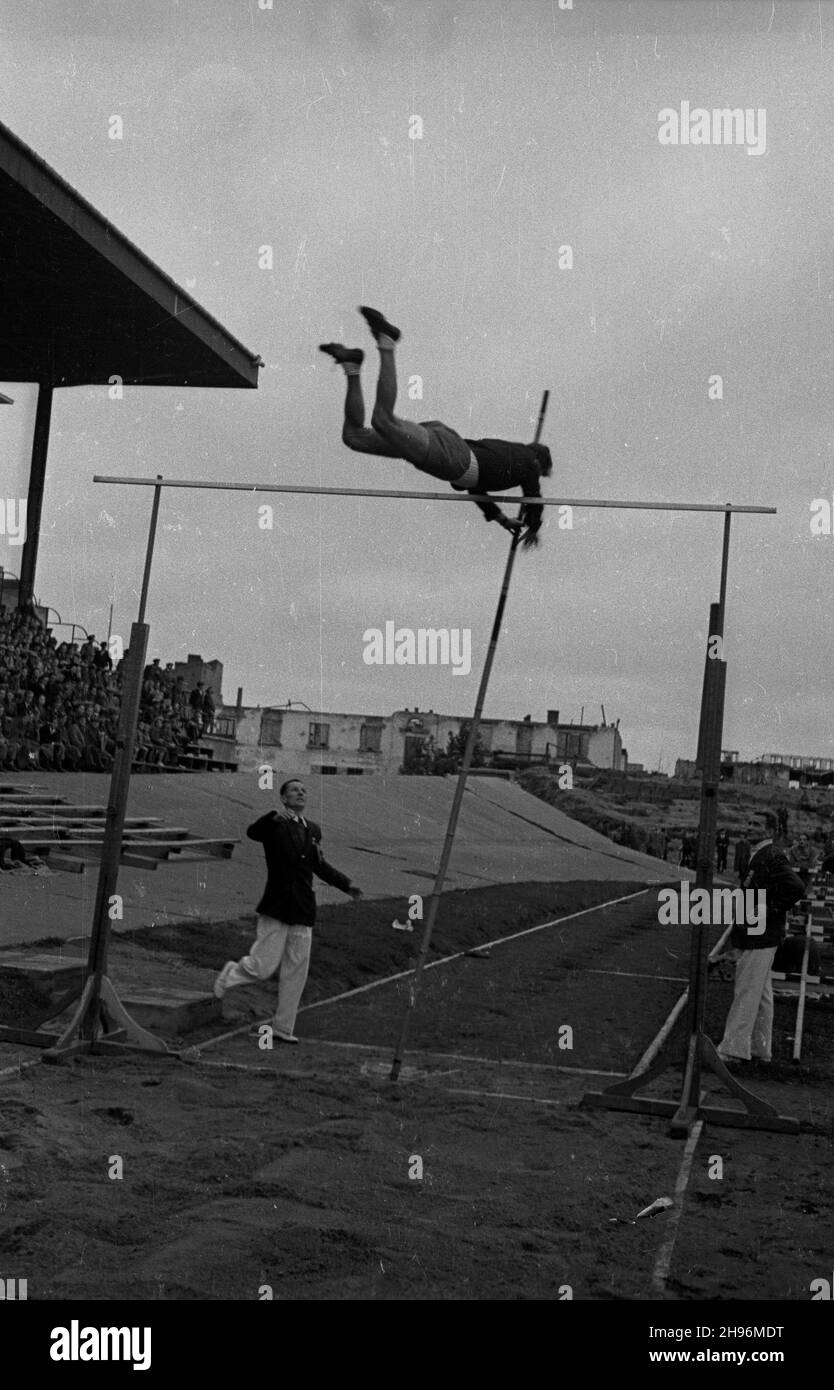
{"x": 82, "y": 304}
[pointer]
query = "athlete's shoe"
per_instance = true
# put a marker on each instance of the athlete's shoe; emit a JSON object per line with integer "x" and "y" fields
{"x": 255, "y": 1031}
{"x": 343, "y": 354}
{"x": 733, "y": 1063}
{"x": 378, "y": 323}
{"x": 220, "y": 984}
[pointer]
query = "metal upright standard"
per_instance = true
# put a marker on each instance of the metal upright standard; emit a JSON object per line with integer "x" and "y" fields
{"x": 101, "y": 1023}
{"x": 699, "y": 1051}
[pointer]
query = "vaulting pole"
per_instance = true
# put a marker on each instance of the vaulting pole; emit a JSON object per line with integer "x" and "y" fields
{"x": 457, "y": 800}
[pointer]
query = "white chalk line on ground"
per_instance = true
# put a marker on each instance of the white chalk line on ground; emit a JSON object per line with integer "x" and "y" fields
{"x": 463, "y": 1057}
{"x": 664, "y": 1257}
{"x": 274, "y": 1074}
{"x": 630, "y": 975}
{"x": 19, "y": 1067}
{"x": 444, "y": 960}
{"x": 502, "y": 1095}
{"x": 496, "y": 1063}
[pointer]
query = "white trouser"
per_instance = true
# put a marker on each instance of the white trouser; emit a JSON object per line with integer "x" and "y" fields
{"x": 277, "y": 946}
{"x": 749, "y": 1025}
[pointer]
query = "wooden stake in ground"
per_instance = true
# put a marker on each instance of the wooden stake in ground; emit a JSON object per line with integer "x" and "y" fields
{"x": 803, "y": 986}
{"x": 434, "y": 900}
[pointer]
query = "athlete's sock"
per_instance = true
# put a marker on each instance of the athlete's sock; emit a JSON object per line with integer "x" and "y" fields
{"x": 384, "y": 343}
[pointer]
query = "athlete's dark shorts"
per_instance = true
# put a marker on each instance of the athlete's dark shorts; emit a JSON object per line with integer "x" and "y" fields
{"x": 449, "y": 455}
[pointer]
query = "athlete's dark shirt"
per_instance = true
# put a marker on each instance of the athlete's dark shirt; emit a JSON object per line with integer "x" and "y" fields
{"x": 503, "y": 465}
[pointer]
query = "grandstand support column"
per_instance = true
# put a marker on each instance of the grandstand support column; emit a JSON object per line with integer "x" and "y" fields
{"x": 34, "y": 496}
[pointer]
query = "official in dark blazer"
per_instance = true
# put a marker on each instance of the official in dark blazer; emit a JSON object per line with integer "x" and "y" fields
{"x": 748, "y": 1031}
{"x": 287, "y": 909}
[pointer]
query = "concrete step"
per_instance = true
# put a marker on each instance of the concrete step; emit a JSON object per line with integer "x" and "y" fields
{"x": 50, "y": 971}
{"x": 31, "y": 984}
{"x": 38, "y": 980}
{"x": 171, "y": 1010}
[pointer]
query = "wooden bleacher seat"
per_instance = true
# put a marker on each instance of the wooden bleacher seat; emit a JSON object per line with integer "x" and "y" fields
{"x": 68, "y": 836}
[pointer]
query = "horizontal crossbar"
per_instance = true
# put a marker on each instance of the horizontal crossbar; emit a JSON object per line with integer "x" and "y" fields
{"x": 437, "y": 496}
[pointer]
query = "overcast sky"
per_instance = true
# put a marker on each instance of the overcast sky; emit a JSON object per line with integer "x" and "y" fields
{"x": 289, "y": 127}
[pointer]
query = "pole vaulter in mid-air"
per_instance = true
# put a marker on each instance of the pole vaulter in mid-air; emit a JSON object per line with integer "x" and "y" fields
{"x": 470, "y": 465}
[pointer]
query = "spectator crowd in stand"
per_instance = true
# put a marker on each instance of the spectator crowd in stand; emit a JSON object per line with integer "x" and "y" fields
{"x": 60, "y": 703}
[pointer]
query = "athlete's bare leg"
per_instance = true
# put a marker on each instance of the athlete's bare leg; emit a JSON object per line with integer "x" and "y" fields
{"x": 410, "y": 439}
{"x": 354, "y": 433}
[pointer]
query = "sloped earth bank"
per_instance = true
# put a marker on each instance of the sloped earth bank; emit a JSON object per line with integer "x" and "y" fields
{"x": 243, "y": 1167}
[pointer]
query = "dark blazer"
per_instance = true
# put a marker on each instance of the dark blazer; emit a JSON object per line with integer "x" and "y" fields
{"x": 769, "y": 869}
{"x": 741, "y": 858}
{"x": 293, "y": 854}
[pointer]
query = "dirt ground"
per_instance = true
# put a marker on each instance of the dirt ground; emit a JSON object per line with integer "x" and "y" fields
{"x": 478, "y": 1176}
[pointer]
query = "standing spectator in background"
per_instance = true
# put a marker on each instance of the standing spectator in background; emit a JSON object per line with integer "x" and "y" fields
{"x": 655, "y": 843}
{"x": 674, "y": 848}
{"x": 749, "y": 1027}
{"x": 782, "y": 822}
{"x": 722, "y": 849}
{"x": 803, "y": 857}
{"x": 208, "y": 712}
{"x": 741, "y": 855}
{"x": 689, "y": 851}
{"x": 195, "y": 699}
